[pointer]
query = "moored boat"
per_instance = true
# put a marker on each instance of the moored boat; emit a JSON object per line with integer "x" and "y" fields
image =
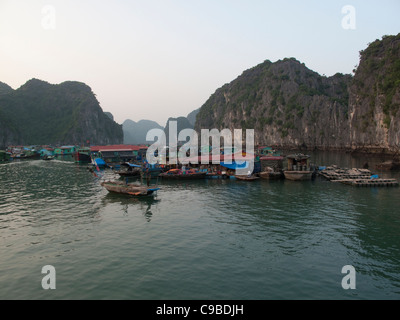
{"x": 129, "y": 188}
{"x": 47, "y": 157}
{"x": 131, "y": 170}
{"x": 298, "y": 175}
{"x": 82, "y": 155}
{"x": 152, "y": 170}
{"x": 98, "y": 162}
{"x": 247, "y": 178}
{"x": 271, "y": 175}
{"x": 178, "y": 174}
{"x": 298, "y": 168}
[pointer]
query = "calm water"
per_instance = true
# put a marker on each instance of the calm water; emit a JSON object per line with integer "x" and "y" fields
{"x": 212, "y": 239}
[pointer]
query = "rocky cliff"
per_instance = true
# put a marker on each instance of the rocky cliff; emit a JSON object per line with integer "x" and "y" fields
{"x": 374, "y": 102}
{"x": 285, "y": 102}
{"x": 291, "y": 106}
{"x": 43, "y": 113}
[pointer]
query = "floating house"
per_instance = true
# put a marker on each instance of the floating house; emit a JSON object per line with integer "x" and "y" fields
{"x": 46, "y": 151}
{"x": 119, "y": 153}
{"x": 267, "y": 152}
{"x": 65, "y": 150}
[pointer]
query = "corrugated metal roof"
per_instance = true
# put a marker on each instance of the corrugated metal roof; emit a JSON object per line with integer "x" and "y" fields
{"x": 117, "y": 147}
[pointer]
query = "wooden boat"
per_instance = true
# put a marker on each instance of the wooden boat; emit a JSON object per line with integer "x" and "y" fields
{"x": 247, "y": 178}
{"x": 129, "y": 189}
{"x": 179, "y": 175}
{"x": 298, "y": 175}
{"x": 271, "y": 175}
{"x": 132, "y": 170}
{"x": 152, "y": 170}
{"x": 298, "y": 168}
{"x": 82, "y": 155}
{"x": 46, "y": 157}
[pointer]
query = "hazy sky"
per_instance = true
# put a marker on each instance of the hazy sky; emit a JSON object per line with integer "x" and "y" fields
{"x": 155, "y": 59}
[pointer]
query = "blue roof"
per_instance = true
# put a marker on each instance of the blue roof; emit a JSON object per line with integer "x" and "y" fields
{"x": 234, "y": 165}
{"x": 132, "y": 165}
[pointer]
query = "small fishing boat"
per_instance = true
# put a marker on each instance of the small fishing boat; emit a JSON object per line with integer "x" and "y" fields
{"x": 271, "y": 175}
{"x": 47, "y": 157}
{"x": 129, "y": 188}
{"x": 98, "y": 162}
{"x": 131, "y": 170}
{"x": 247, "y": 178}
{"x": 153, "y": 170}
{"x": 179, "y": 175}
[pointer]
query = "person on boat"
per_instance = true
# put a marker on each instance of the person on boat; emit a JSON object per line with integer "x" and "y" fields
{"x": 147, "y": 176}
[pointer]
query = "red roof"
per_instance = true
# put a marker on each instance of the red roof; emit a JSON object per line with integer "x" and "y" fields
{"x": 239, "y": 156}
{"x": 271, "y": 158}
{"x": 117, "y": 147}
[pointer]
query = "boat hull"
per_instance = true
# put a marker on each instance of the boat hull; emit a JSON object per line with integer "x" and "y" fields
{"x": 82, "y": 157}
{"x": 271, "y": 175}
{"x": 298, "y": 175}
{"x": 130, "y": 173}
{"x": 129, "y": 189}
{"x": 189, "y": 176}
{"x": 246, "y": 178}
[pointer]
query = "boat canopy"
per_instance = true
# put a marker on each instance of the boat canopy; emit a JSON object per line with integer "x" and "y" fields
{"x": 298, "y": 157}
{"x": 99, "y": 162}
{"x": 132, "y": 165}
{"x": 235, "y": 165}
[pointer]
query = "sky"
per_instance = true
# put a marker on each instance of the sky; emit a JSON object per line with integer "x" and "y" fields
{"x": 156, "y": 59}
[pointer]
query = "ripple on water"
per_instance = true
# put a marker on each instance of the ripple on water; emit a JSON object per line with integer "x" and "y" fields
{"x": 201, "y": 239}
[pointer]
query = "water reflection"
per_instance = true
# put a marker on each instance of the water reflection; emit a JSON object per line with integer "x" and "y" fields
{"x": 143, "y": 204}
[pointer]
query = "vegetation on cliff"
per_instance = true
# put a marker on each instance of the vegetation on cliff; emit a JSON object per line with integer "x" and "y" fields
{"x": 43, "y": 113}
{"x": 290, "y": 105}
{"x": 285, "y": 102}
{"x": 375, "y": 96}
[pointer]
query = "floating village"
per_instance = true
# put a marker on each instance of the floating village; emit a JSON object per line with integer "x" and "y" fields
{"x": 129, "y": 161}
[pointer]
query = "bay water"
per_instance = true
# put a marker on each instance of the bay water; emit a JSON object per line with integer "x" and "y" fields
{"x": 205, "y": 239}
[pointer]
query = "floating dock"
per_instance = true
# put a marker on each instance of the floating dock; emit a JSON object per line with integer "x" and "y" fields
{"x": 356, "y": 177}
{"x": 379, "y": 182}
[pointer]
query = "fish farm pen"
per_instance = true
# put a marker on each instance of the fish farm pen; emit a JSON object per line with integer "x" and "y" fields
{"x": 356, "y": 177}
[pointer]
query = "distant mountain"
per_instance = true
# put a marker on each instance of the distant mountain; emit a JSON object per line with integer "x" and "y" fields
{"x": 192, "y": 116}
{"x": 42, "y": 113}
{"x": 135, "y": 132}
{"x": 182, "y": 123}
